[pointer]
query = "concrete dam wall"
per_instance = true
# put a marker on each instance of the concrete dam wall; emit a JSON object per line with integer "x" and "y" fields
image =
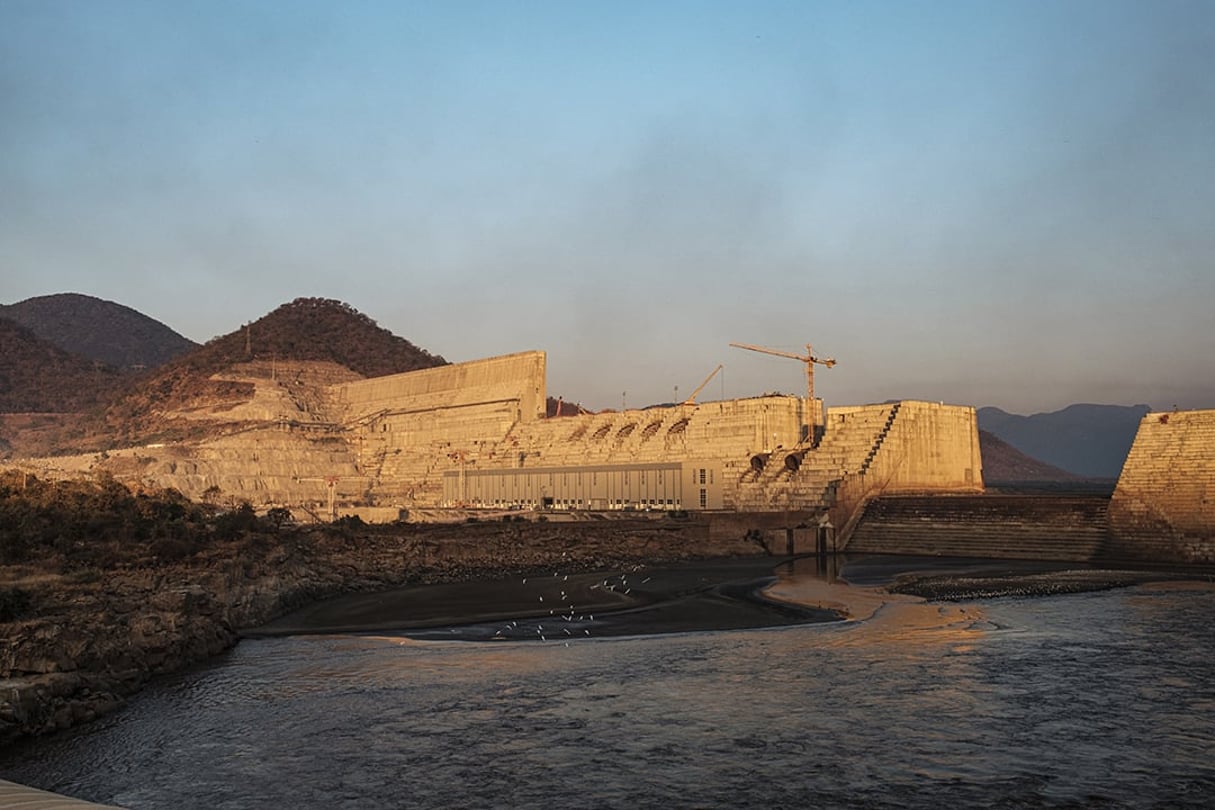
{"x": 474, "y": 435}
{"x": 1163, "y": 508}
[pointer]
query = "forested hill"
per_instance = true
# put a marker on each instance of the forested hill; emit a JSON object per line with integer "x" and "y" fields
{"x": 307, "y": 329}
{"x": 131, "y": 408}
{"x": 37, "y": 376}
{"x": 104, "y": 331}
{"x": 314, "y": 329}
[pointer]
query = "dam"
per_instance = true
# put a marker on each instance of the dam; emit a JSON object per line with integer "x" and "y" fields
{"x": 473, "y": 438}
{"x": 477, "y": 436}
{"x": 1162, "y": 510}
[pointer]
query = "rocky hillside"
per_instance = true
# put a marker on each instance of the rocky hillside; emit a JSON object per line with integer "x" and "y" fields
{"x": 99, "y": 330}
{"x": 559, "y": 407}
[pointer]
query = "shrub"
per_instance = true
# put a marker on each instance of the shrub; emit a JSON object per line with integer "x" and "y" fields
{"x": 279, "y": 516}
{"x": 236, "y": 523}
{"x": 15, "y": 604}
{"x": 170, "y": 550}
{"x": 83, "y": 576}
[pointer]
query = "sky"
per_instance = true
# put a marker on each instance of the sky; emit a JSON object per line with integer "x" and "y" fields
{"x": 981, "y": 202}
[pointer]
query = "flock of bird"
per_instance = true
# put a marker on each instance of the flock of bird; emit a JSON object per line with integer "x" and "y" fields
{"x": 564, "y": 610}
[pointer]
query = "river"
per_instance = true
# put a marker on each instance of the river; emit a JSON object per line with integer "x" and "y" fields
{"x": 1102, "y": 699}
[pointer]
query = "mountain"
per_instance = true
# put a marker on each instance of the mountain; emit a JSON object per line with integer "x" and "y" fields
{"x": 1003, "y": 463}
{"x": 307, "y": 329}
{"x": 187, "y": 397}
{"x": 100, "y": 330}
{"x": 1088, "y": 440}
{"x": 37, "y": 376}
{"x": 314, "y": 329}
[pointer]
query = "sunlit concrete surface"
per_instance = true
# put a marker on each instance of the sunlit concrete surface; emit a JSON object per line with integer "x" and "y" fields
{"x": 13, "y": 796}
{"x": 476, "y": 435}
{"x": 1162, "y": 508}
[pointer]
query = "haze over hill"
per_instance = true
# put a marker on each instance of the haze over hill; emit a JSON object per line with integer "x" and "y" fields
{"x": 100, "y": 330}
{"x": 1087, "y": 440}
{"x": 37, "y": 376}
{"x": 1003, "y": 463}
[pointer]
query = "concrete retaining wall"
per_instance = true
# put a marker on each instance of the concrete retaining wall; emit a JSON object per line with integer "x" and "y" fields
{"x": 517, "y": 378}
{"x": 1163, "y": 508}
{"x": 1071, "y": 528}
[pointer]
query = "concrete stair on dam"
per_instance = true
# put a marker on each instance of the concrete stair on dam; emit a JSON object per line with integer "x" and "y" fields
{"x": 1066, "y": 528}
{"x": 413, "y": 473}
{"x": 851, "y": 441}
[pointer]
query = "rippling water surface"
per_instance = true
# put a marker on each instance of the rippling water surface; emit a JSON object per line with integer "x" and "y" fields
{"x": 1092, "y": 700}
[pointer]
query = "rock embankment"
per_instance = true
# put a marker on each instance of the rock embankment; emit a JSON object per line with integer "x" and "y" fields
{"x": 89, "y": 640}
{"x": 993, "y": 585}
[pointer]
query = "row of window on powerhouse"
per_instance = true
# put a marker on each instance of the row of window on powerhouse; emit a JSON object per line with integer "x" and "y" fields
{"x": 604, "y": 488}
{"x": 589, "y": 503}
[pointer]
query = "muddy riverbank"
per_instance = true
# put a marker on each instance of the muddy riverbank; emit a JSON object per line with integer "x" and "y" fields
{"x": 84, "y": 641}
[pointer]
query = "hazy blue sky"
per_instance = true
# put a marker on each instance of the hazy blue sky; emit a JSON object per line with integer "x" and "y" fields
{"x": 988, "y": 203}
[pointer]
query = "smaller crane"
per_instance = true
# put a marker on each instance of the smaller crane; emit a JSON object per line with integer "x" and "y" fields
{"x": 692, "y": 399}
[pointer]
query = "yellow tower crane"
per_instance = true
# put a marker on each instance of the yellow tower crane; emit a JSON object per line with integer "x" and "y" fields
{"x": 817, "y": 418}
{"x": 808, "y": 358}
